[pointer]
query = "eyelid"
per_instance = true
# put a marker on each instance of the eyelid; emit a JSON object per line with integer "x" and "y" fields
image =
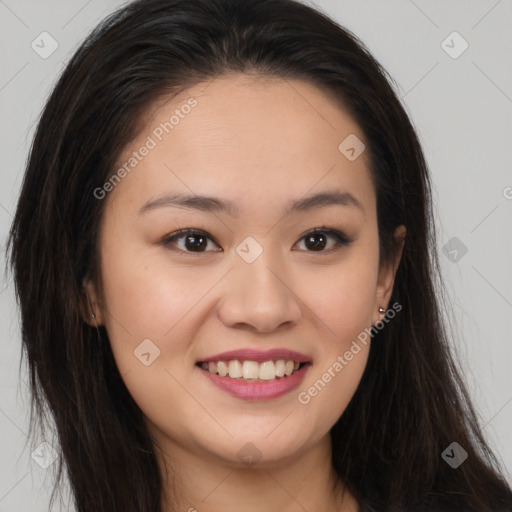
{"x": 327, "y": 229}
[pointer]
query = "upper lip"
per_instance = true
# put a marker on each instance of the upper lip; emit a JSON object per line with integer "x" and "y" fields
{"x": 260, "y": 356}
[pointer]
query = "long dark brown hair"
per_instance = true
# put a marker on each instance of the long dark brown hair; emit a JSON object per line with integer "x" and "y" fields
{"x": 411, "y": 403}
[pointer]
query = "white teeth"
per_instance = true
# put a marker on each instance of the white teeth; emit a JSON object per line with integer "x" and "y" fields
{"x": 280, "y": 368}
{"x": 222, "y": 368}
{"x": 251, "y": 370}
{"x": 267, "y": 370}
{"x": 235, "y": 369}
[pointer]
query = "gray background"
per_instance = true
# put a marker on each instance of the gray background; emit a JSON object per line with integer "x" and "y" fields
{"x": 462, "y": 109}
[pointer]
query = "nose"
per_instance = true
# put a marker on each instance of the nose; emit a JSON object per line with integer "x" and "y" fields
{"x": 259, "y": 297}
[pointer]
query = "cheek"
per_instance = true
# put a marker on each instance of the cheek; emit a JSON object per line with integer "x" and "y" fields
{"x": 151, "y": 310}
{"x": 343, "y": 296}
{"x": 145, "y": 298}
{"x": 328, "y": 392}
{"x": 336, "y": 373}
{"x": 343, "y": 300}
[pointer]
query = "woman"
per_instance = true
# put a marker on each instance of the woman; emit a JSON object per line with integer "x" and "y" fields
{"x": 224, "y": 256}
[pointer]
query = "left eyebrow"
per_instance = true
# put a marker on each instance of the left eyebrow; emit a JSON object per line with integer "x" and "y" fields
{"x": 214, "y": 204}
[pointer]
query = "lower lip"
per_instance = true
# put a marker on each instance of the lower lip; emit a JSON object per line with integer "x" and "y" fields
{"x": 257, "y": 390}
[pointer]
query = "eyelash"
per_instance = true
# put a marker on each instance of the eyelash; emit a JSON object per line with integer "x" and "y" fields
{"x": 341, "y": 239}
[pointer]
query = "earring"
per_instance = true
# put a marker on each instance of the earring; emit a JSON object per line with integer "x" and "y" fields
{"x": 382, "y": 310}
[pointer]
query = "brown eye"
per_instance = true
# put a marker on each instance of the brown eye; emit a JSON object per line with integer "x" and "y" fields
{"x": 317, "y": 240}
{"x": 193, "y": 241}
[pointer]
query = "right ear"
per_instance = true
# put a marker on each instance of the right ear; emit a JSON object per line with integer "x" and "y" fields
{"x": 91, "y": 313}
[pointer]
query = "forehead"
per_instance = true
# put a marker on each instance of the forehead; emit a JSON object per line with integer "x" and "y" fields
{"x": 256, "y": 141}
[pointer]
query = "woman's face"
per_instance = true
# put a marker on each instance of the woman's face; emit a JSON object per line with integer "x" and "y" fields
{"x": 255, "y": 279}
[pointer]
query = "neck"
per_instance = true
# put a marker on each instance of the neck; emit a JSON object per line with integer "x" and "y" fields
{"x": 199, "y": 482}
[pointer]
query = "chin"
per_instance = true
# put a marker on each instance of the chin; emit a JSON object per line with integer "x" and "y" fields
{"x": 262, "y": 451}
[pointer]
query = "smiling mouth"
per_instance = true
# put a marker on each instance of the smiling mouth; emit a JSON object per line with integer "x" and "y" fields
{"x": 252, "y": 371}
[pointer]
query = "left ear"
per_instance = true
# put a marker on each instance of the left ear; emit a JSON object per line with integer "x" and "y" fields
{"x": 387, "y": 273}
{"x": 91, "y": 306}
